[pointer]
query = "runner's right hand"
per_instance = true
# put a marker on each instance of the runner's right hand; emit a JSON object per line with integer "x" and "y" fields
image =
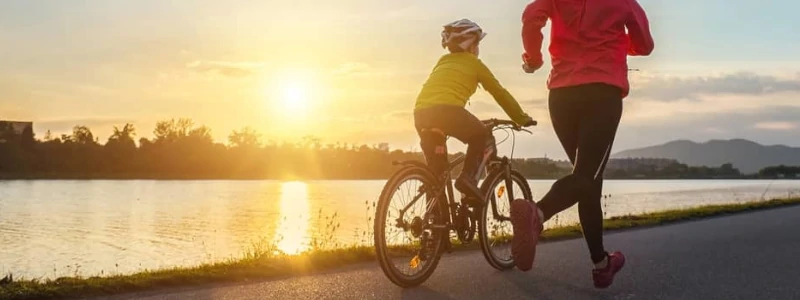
{"x": 527, "y": 67}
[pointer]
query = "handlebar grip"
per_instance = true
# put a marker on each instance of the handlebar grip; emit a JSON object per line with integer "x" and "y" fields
{"x": 498, "y": 122}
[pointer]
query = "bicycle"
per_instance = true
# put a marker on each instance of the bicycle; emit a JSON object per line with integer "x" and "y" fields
{"x": 443, "y": 214}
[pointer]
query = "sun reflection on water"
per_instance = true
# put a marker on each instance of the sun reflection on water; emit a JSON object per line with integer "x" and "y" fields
{"x": 292, "y": 233}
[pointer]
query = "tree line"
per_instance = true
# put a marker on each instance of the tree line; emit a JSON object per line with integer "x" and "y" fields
{"x": 675, "y": 170}
{"x": 780, "y": 171}
{"x": 180, "y": 149}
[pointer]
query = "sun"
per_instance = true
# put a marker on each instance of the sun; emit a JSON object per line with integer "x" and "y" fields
{"x": 294, "y": 98}
{"x": 293, "y": 94}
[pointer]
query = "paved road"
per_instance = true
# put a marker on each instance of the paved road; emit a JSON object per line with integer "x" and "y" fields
{"x": 746, "y": 256}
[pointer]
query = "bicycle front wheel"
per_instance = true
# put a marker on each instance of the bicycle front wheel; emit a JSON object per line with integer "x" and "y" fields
{"x": 495, "y": 230}
{"x": 407, "y": 245}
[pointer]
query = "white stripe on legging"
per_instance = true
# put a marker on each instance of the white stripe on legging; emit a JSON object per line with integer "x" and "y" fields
{"x": 603, "y": 162}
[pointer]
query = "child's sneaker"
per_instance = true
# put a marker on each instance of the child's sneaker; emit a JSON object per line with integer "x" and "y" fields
{"x": 469, "y": 187}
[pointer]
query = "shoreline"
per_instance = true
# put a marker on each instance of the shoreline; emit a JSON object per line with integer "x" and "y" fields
{"x": 260, "y": 263}
{"x": 139, "y": 177}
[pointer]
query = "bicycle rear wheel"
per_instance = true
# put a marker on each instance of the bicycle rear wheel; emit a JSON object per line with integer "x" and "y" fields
{"x": 407, "y": 246}
{"x": 495, "y": 230}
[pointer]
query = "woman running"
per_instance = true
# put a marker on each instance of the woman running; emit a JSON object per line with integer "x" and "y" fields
{"x": 589, "y": 79}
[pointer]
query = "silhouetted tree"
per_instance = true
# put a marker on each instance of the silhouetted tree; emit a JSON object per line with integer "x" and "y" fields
{"x": 245, "y": 138}
{"x": 82, "y": 135}
{"x": 780, "y": 171}
{"x": 172, "y": 130}
{"x": 122, "y": 138}
{"x": 120, "y": 149}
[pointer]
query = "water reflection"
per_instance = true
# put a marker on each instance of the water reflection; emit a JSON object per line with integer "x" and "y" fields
{"x": 292, "y": 233}
{"x": 121, "y": 227}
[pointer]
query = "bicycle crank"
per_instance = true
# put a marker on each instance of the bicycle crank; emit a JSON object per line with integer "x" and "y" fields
{"x": 465, "y": 224}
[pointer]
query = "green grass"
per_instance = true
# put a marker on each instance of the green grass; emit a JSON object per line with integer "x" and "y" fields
{"x": 262, "y": 263}
{"x": 669, "y": 216}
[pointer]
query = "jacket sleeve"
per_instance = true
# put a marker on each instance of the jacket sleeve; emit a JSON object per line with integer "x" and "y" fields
{"x": 640, "y": 40}
{"x": 533, "y": 20}
{"x": 501, "y": 95}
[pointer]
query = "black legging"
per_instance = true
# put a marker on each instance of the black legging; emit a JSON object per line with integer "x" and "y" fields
{"x": 459, "y": 123}
{"x": 585, "y": 119}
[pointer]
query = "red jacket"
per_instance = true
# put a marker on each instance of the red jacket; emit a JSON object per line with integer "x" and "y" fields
{"x": 588, "y": 39}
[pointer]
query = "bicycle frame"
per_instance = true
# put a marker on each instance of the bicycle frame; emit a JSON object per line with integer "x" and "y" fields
{"x": 444, "y": 185}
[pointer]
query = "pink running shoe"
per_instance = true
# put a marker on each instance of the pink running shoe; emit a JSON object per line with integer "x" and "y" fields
{"x": 527, "y": 229}
{"x": 604, "y": 277}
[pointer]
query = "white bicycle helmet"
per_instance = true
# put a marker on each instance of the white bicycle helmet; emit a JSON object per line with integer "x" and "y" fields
{"x": 462, "y": 33}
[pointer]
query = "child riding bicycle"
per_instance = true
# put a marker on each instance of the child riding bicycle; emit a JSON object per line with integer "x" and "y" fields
{"x": 440, "y": 112}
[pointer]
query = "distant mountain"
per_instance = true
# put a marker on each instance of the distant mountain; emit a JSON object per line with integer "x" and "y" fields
{"x": 747, "y": 156}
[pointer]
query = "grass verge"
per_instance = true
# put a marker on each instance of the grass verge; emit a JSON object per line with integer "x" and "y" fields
{"x": 257, "y": 266}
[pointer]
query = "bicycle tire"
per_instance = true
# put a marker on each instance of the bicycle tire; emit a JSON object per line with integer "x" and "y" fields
{"x": 381, "y": 212}
{"x": 494, "y": 178}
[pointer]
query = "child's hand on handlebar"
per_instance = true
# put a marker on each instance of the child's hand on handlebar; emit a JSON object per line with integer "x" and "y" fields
{"x": 528, "y": 122}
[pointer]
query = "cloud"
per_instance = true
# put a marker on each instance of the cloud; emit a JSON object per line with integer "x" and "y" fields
{"x": 532, "y": 104}
{"x": 667, "y": 88}
{"x": 351, "y": 67}
{"x": 14, "y": 97}
{"x": 487, "y": 107}
{"x": 403, "y": 115}
{"x": 12, "y": 112}
{"x": 776, "y": 125}
{"x": 62, "y": 125}
{"x": 714, "y": 130}
{"x": 766, "y": 125}
{"x": 227, "y": 68}
{"x": 359, "y": 69}
{"x": 13, "y": 90}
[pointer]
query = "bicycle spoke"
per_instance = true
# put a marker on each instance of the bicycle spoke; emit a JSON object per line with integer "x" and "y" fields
{"x": 496, "y": 230}
{"x": 405, "y": 243}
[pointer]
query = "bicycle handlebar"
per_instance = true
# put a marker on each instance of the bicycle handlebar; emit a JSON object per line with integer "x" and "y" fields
{"x": 492, "y": 123}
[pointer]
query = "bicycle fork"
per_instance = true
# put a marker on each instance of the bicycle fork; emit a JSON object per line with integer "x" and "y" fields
{"x": 508, "y": 185}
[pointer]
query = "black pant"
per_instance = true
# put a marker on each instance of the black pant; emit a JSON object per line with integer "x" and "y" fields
{"x": 456, "y": 122}
{"x": 585, "y": 119}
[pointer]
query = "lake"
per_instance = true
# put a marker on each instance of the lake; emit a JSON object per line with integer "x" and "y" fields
{"x": 53, "y": 228}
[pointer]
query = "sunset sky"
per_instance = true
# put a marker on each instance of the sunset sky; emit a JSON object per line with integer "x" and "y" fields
{"x": 720, "y": 69}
